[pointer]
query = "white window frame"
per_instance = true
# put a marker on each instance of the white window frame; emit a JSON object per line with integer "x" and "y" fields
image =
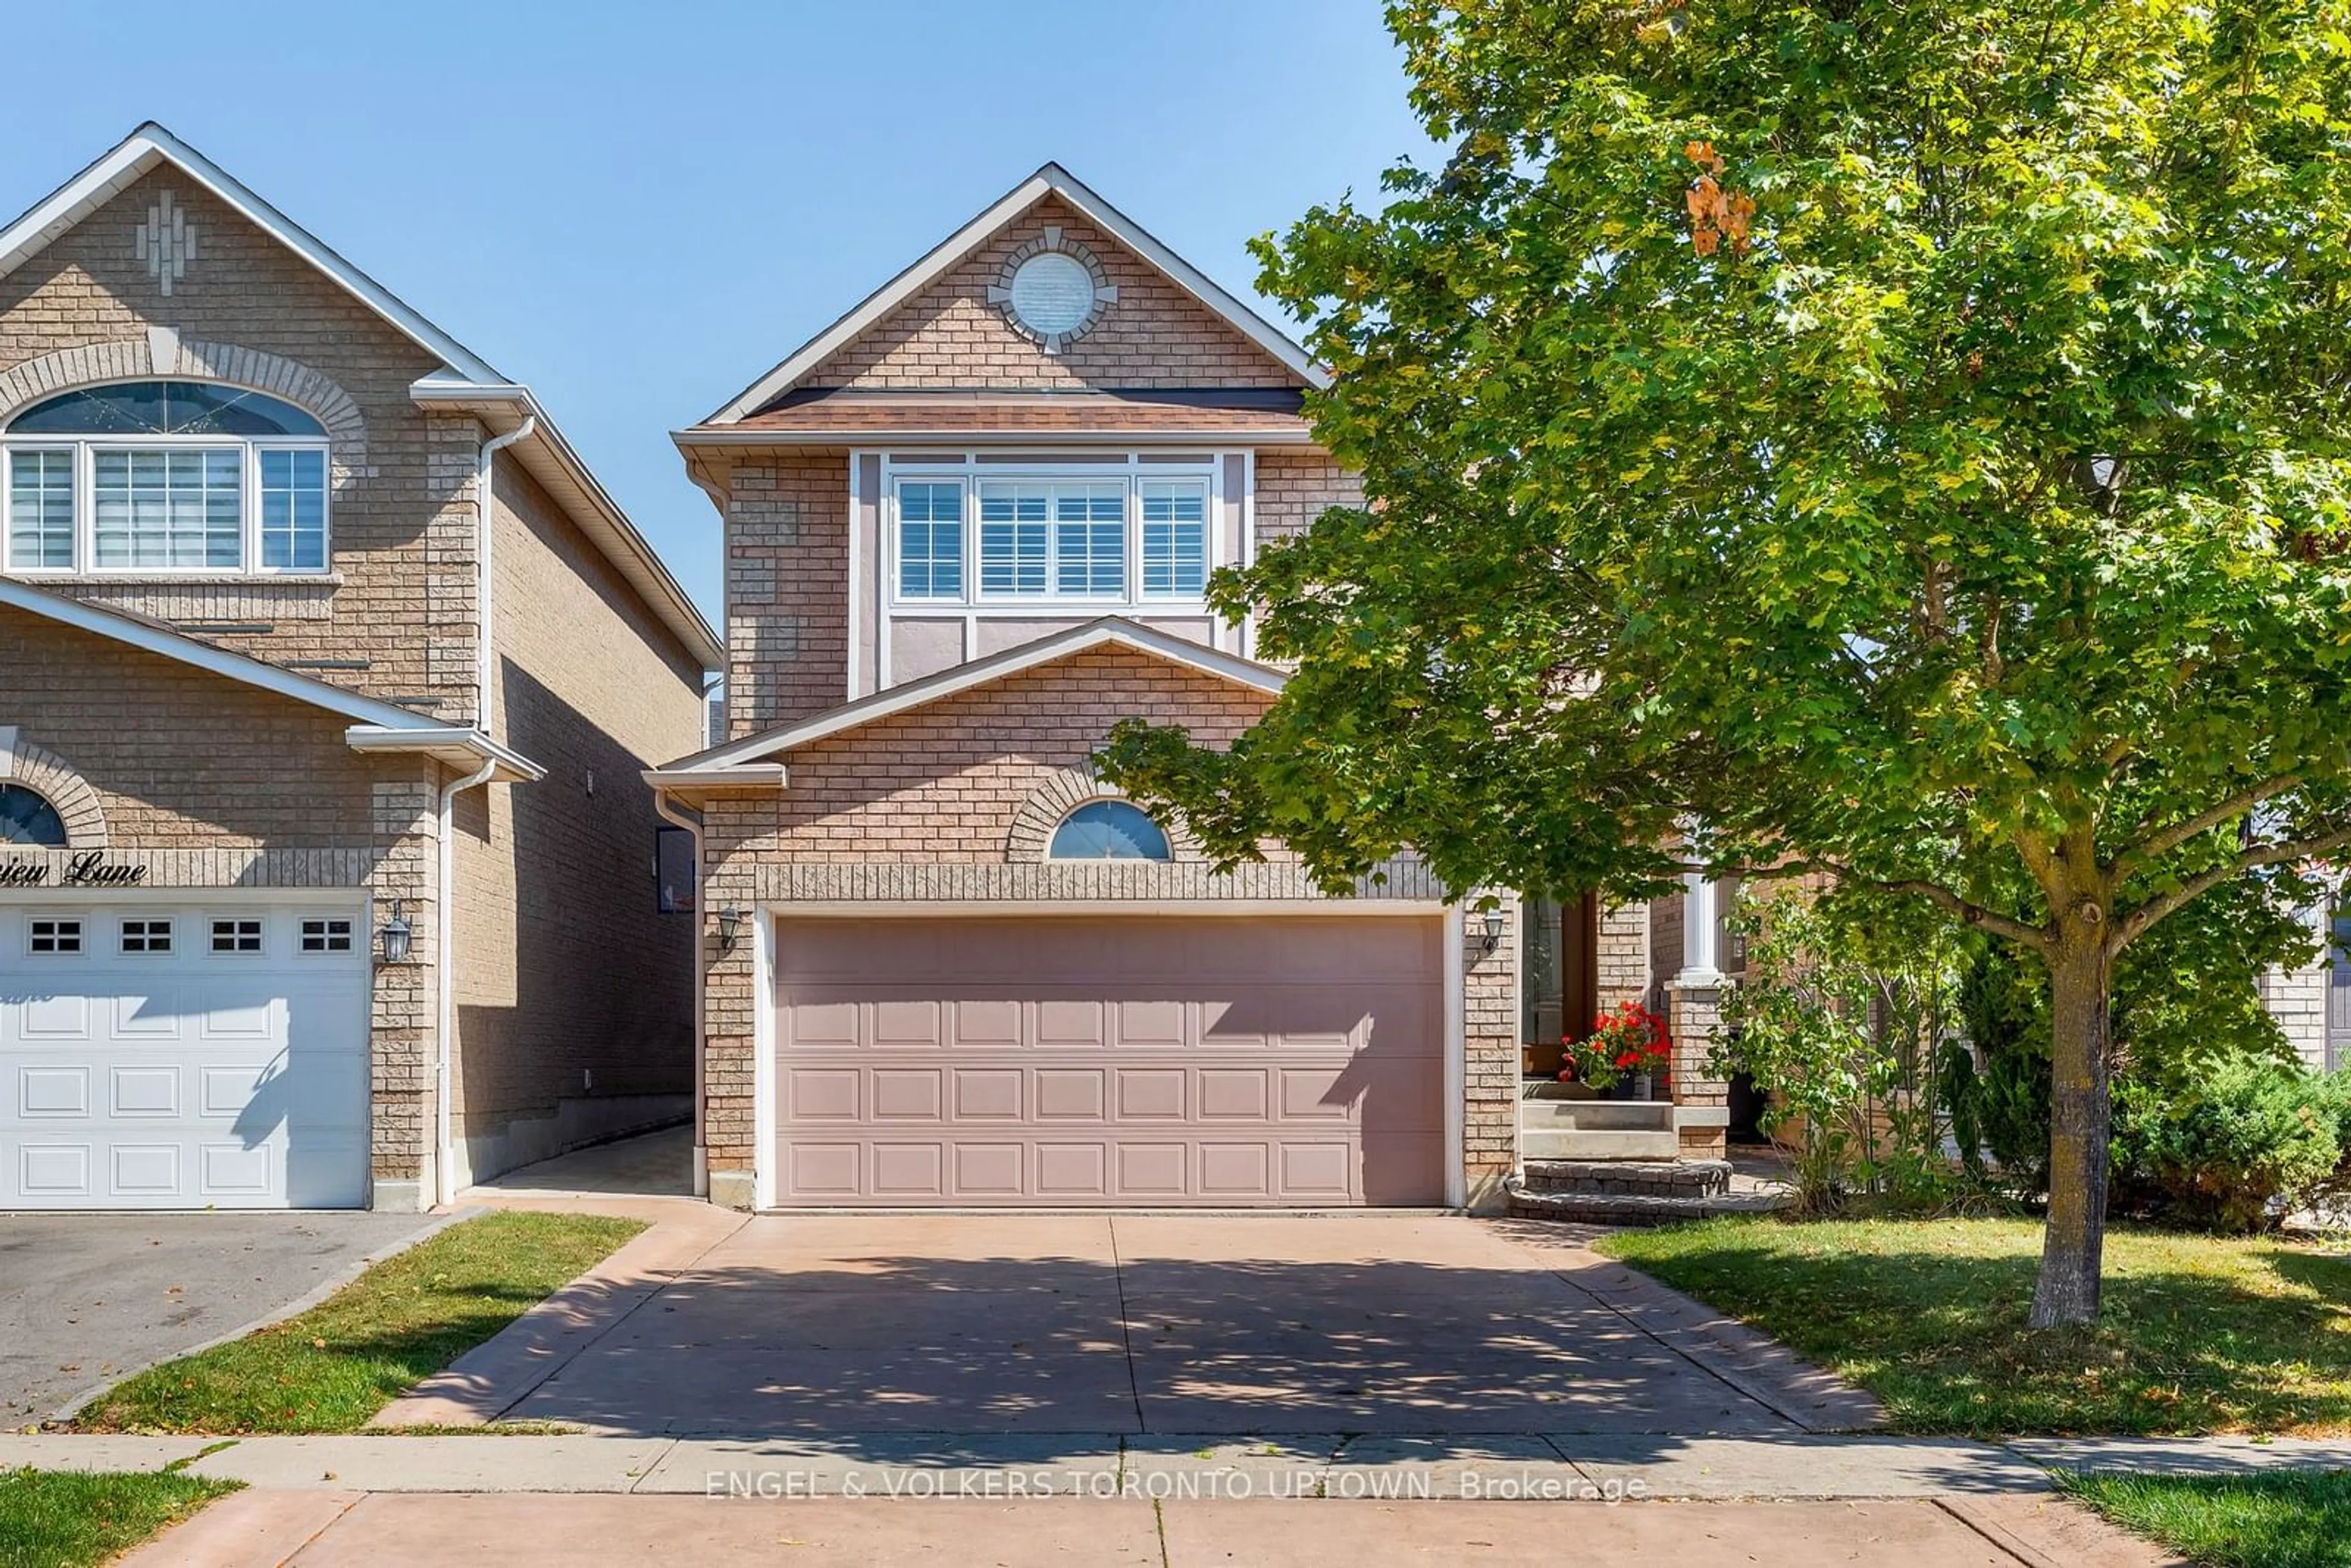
{"x": 84, "y": 504}
{"x": 260, "y": 934}
{"x": 151, "y": 927}
{"x": 1128, "y": 469}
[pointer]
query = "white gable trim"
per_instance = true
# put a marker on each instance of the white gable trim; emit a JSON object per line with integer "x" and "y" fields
{"x": 151, "y": 144}
{"x": 1050, "y": 180}
{"x": 1110, "y": 630}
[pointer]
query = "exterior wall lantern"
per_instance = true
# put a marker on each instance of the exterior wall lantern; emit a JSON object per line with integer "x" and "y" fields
{"x": 1493, "y": 923}
{"x": 396, "y": 936}
{"x": 730, "y": 926}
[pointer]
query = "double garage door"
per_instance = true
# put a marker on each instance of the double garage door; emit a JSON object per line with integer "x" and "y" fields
{"x": 1080, "y": 1062}
{"x": 190, "y": 1055}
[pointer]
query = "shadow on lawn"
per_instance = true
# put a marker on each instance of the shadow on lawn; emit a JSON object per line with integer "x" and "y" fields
{"x": 1941, "y": 1336}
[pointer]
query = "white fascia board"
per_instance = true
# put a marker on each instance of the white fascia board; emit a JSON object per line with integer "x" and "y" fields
{"x": 140, "y": 152}
{"x": 457, "y": 744}
{"x": 1030, "y": 437}
{"x": 556, "y": 466}
{"x": 1050, "y": 180}
{"x": 1109, "y": 631}
{"x": 155, "y": 638}
{"x": 748, "y": 776}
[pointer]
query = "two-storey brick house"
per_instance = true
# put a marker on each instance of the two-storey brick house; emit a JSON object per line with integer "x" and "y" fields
{"x": 327, "y": 679}
{"x": 967, "y": 529}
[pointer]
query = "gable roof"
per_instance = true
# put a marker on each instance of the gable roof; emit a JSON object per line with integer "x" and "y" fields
{"x": 1052, "y": 179}
{"x": 464, "y": 381}
{"x": 376, "y": 726}
{"x": 1110, "y": 630}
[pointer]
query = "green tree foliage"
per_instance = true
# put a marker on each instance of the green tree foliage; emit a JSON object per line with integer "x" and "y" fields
{"x": 1907, "y": 439}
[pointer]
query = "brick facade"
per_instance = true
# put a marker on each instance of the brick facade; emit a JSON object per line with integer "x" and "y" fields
{"x": 948, "y": 335}
{"x": 942, "y": 803}
{"x": 560, "y": 967}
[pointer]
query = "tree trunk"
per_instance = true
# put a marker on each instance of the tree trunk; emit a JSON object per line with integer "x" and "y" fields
{"x": 2080, "y": 1110}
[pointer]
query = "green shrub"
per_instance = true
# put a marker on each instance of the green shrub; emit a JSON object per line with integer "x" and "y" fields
{"x": 2249, "y": 1139}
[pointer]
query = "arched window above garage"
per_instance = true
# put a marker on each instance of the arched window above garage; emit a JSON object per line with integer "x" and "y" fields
{"x": 29, "y": 820}
{"x": 1109, "y": 831}
{"x": 164, "y": 477}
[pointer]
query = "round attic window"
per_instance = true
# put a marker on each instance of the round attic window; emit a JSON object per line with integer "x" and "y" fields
{"x": 1052, "y": 294}
{"x": 1052, "y": 290}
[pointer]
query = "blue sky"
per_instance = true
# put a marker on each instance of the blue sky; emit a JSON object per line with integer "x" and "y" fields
{"x": 638, "y": 208}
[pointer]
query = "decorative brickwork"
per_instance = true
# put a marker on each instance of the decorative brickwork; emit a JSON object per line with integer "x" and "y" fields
{"x": 1033, "y": 823}
{"x": 68, "y": 794}
{"x": 951, "y": 335}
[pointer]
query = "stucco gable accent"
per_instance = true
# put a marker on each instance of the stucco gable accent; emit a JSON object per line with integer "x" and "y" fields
{"x": 1109, "y": 631}
{"x": 1052, "y": 179}
{"x": 51, "y": 777}
{"x": 1032, "y": 834}
{"x": 164, "y": 354}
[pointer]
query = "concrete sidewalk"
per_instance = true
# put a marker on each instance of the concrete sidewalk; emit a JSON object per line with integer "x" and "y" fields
{"x": 330, "y": 1529}
{"x": 1498, "y": 1467}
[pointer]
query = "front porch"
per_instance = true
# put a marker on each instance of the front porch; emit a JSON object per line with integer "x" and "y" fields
{"x": 1626, "y": 1157}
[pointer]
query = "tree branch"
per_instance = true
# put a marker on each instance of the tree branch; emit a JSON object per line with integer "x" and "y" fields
{"x": 2129, "y": 929}
{"x": 1968, "y": 911}
{"x": 2157, "y": 845}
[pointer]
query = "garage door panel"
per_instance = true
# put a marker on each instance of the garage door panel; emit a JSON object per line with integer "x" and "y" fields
{"x": 900, "y": 1095}
{"x": 1147, "y": 1060}
{"x": 184, "y": 1078}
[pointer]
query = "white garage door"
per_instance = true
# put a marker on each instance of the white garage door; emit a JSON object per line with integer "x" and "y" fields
{"x": 208, "y": 1054}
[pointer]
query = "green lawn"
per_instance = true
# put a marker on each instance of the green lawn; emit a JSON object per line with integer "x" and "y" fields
{"x": 60, "y": 1518}
{"x": 2200, "y": 1334}
{"x": 333, "y": 1368}
{"x": 2284, "y": 1518}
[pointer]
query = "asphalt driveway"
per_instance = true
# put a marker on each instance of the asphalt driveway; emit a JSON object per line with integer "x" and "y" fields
{"x": 87, "y": 1298}
{"x": 825, "y": 1327}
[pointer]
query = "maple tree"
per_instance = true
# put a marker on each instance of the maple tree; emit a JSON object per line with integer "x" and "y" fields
{"x": 1905, "y": 441}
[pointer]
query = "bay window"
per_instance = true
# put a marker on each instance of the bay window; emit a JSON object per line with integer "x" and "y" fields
{"x": 162, "y": 477}
{"x": 1131, "y": 539}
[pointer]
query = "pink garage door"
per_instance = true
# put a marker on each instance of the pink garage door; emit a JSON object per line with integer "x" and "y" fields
{"x": 1110, "y": 1060}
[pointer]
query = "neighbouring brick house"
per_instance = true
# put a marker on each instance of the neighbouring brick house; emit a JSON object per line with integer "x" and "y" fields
{"x": 328, "y": 680}
{"x": 967, "y": 529}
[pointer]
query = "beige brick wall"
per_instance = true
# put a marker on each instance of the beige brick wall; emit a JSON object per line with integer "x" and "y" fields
{"x": 1294, "y": 487}
{"x": 574, "y": 998}
{"x": 1153, "y": 335}
{"x": 787, "y": 590}
{"x": 922, "y": 805}
{"x": 399, "y": 512}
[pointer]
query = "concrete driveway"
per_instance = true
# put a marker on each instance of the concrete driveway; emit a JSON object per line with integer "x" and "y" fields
{"x": 86, "y": 1298}
{"x": 826, "y": 1327}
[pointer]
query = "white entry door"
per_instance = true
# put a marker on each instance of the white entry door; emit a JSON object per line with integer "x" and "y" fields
{"x": 210, "y": 1053}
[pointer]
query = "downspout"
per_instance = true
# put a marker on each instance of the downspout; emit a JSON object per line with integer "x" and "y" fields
{"x": 485, "y": 524}
{"x": 670, "y": 813}
{"x": 444, "y": 957}
{"x": 445, "y": 980}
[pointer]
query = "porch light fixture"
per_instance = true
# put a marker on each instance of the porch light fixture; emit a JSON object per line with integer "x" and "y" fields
{"x": 395, "y": 936}
{"x": 730, "y": 924}
{"x": 1493, "y": 922}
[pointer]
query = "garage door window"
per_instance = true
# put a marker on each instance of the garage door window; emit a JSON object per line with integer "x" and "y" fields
{"x": 56, "y": 936}
{"x": 236, "y": 935}
{"x": 326, "y": 935}
{"x": 146, "y": 936}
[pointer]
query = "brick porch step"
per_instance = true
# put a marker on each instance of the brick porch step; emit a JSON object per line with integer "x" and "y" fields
{"x": 1634, "y": 1209}
{"x": 1635, "y": 1179}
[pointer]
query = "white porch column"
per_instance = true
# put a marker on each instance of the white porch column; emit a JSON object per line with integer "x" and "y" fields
{"x": 1701, "y": 921}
